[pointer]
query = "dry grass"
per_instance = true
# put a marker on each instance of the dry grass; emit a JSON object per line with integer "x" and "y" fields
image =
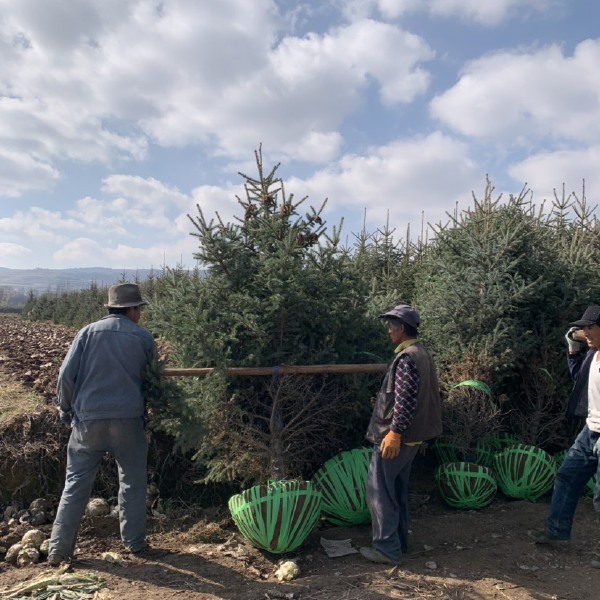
{"x": 15, "y": 399}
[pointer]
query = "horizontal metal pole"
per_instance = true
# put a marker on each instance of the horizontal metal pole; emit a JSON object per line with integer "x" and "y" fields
{"x": 283, "y": 370}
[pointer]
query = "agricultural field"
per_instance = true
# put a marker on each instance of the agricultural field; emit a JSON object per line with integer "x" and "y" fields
{"x": 199, "y": 554}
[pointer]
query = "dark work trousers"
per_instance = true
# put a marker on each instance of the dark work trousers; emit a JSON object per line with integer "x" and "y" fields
{"x": 125, "y": 440}
{"x": 387, "y": 496}
{"x": 579, "y": 465}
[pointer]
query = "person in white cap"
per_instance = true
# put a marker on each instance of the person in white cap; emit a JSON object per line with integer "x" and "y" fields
{"x": 582, "y": 460}
{"x": 100, "y": 397}
{"x": 407, "y": 412}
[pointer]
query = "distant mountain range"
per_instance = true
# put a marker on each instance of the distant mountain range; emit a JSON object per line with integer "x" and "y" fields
{"x": 41, "y": 280}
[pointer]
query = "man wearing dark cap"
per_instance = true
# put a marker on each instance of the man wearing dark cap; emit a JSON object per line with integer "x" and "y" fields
{"x": 100, "y": 398}
{"x": 581, "y": 462}
{"x": 407, "y": 412}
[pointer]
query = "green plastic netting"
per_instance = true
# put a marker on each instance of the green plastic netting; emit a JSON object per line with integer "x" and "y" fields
{"x": 488, "y": 447}
{"x": 466, "y": 485}
{"x": 446, "y": 452}
{"x": 342, "y": 480}
{"x": 524, "y": 472}
{"x": 279, "y": 516}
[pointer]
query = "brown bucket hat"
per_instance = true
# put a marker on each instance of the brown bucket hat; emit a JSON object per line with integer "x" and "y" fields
{"x": 124, "y": 295}
{"x": 405, "y": 313}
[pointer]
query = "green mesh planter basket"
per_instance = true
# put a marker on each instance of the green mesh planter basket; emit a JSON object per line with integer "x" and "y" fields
{"x": 342, "y": 481}
{"x": 488, "y": 447}
{"x": 484, "y": 453}
{"x": 524, "y": 472}
{"x": 466, "y": 485}
{"x": 446, "y": 452}
{"x": 505, "y": 439}
{"x": 277, "y": 517}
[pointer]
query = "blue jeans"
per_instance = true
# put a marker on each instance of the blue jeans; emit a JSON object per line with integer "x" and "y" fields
{"x": 125, "y": 439}
{"x": 577, "y": 469}
{"x": 387, "y": 497}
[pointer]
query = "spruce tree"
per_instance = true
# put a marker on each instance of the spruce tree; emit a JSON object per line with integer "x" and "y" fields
{"x": 498, "y": 285}
{"x": 275, "y": 290}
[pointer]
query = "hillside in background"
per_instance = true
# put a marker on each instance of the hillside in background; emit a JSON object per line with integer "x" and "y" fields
{"x": 15, "y": 284}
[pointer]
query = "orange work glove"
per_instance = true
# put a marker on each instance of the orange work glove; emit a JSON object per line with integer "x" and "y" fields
{"x": 390, "y": 445}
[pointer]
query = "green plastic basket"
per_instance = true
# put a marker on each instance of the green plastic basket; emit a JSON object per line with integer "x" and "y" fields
{"x": 446, "y": 452}
{"x": 279, "y": 516}
{"x": 524, "y": 472}
{"x": 487, "y": 448}
{"x": 466, "y": 485}
{"x": 343, "y": 480}
{"x": 484, "y": 453}
{"x": 505, "y": 439}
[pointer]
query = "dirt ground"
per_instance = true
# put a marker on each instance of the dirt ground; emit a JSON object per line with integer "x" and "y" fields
{"x": 454, "y": 555}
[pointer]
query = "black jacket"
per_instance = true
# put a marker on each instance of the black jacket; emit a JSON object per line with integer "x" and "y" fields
{"x": 579, "y": 367}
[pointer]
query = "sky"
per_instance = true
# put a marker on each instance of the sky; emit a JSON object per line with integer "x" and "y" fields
{"x": 119, "y": 117}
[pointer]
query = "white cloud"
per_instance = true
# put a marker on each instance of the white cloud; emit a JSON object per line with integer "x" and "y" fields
{"x": 302, "y": 86}
{"x": 98, "y": 82}
{"x": 145, "y": 191}
{"x": 215, "y": 202}
{"x": 315, "y": 147}
{"x": 38, "y": 224}
{"x": 548, "y": 171}
{"x": 403, "y": 177}
{"x": 146, "y": 212}
{"x": 14, "y": 251}
{"x": 20, "y": 173}
{"x": 519, "y": 97}
{"x": 140, "y": 203}
{"x": 87, "y": 251}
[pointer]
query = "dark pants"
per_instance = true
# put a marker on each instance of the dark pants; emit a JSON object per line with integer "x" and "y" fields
{"x": 125, "y": 439}
{"x": 387, "y": 496}
{"x": 577, "y": 469}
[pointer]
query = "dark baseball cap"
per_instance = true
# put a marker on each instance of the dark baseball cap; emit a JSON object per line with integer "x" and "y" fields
{"x": 591, "y": 316}
{"x": 405, "y": 313}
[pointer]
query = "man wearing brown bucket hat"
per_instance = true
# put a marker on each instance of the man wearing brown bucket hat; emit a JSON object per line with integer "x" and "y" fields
{"x": 582, "y": 460}
{"x": 100, "y": 398}
{"x": 407, "y": 412}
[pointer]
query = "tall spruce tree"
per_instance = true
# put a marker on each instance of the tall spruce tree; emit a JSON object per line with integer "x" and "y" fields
{"x": 499, "y": 284}
{"x": 277, "y": 290}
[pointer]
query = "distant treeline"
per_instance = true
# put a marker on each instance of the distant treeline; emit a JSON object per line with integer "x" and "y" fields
{"x": 12, "y": 300}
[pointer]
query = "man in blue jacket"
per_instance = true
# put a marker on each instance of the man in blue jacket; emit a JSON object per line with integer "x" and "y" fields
{"x": 582, "y": 459}
{"x": 100, "y": 398}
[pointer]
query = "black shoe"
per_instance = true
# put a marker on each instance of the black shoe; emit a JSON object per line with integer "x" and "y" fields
{"x": 55, "y": 560}
{"x": 377, "y": 557}
{"x": 547, "y": 539}
{"x": 147, "y": 552}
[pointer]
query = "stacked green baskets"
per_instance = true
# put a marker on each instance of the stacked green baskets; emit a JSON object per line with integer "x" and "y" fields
{"x": 342, "y": 480}
{"x": 488, "y": 447}
{"x": 446, "y": 452}
{"x": 524, "y": 472}
{"x": 279, "y": 516}
{"x": 466, "y": 485}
